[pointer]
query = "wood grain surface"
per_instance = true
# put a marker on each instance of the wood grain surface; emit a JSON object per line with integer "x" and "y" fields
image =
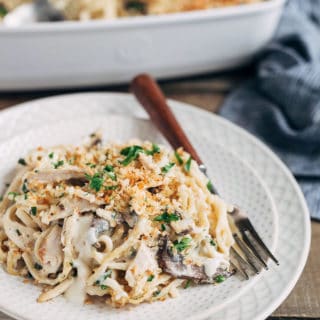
{"x": 208, "y": 92}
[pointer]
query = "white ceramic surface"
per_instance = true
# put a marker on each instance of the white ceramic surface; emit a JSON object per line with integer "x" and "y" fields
{"x": 69, "y": 54}
{"x": 293, "y": 219}
{"x": 232, "y": 177}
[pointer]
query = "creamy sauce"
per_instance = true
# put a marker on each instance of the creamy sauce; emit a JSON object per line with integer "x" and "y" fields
{"x": 211, "y": 265}
{"x": 144, "y": 261}
{"x": 81, "y": 241}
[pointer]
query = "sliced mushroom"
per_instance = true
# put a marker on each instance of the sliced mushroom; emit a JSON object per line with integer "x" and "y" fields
{"x": 173, "y": 264}
{"x": 98, "y": 226}
{"x": 130, "y": 218}
{"x": 182, "y": 226}
{"x": 57, "y": 175}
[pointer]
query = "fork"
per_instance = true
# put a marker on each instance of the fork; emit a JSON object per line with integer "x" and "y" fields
{"x": 249, "y": 254}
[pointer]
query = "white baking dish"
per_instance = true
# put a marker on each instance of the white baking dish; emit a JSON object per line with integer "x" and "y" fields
{"x": 74, "y": 54}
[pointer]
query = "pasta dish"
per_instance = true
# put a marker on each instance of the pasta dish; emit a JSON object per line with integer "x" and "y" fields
{"x": 124, "y": 222}
{"x": 110, "y": 9}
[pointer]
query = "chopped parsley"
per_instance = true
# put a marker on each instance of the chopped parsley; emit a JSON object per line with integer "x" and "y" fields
{"x": 187, "y": 165}
{"x": 167, "y": 167}
{"x": 95, "y": 181}
{"x": 187, "y": 285}
{"x": 33, "y": 211}
{"x": 111, "y": 187}
{"x": 210, "y": 186}
{"x": 18, "y": 232}
{"x": 133, "y": 252}
{"x": 3, "y": 10}
{"x": 183, "y": 244}
{"x": 58, "y": 164}
{"x": 38, "y": 266}
{"x": 178, "y": 157}
{"x": 106, "y": 275}
{"x": 155, "y": 149}
{"x": 50, "y": 155}
{"x": 163, "y": 227}
{"x": 109, "y": 170}
{"x": 13, "y": 195}
{"x": 22, "y": 162}
{"x": 150, "y": 278}
{"x": 136, "y": 6}
{"x": 156, "y": 293}
{"x": 91, "y": 165}
{"x": 1, "y": 198}
{"x": 103, "y": 287}
{"x": 131, "y": 153}
{"x": 167, "y": 217}
{"x": 220, "y": 278}
{"x": 212, "y": 242}
{"x": 24, "y": 186}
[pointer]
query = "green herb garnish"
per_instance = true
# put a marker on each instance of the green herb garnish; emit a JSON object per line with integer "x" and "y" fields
{"x": 150, "y": 278}
{"x": 18, "y": 232}
{"x": 220, "y": 278}
{"x": 187, "y": 285}
{"x": 37, "y": 266}
{"x": 131, "y": 154}
{"x": 58, "y": 164}
{"x": 183, "y": 244}
{"x": 111, "y": 187}
{"x": 3, "y": 10}
{"x": 210, "y": 186}
{"x": 110, "y": 172}
{"x": 33, "y": 211}
{"x": 156, "y": 293}
{"x": 163, "y": 227}
{"x": 167, "y": 217}
{"x": 179, "y": 159}
{"x": 137, "y": 6}
{"x": 212, "y": 242}
{"x": 91, "y": 165}
{"x": 24, "y": 186}
{"x": 50, "y": 155}
{"x": 187, "y": 165}
{"x": 13, "y": 194}
{"x": 106, "y": 275}
{"x": 95, "y": 181}
{"x": 103, "y": 287}
{"x": 167, "y": 167}
{"x": 155, "y": 149}
{"x": 22, "y": 162}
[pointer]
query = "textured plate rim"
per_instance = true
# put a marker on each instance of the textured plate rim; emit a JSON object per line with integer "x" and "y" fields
{"x": 281, "y": 166}
{"x": 210, "y": 310}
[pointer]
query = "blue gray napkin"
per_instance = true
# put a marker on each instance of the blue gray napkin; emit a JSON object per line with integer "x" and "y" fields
{"x": 281, "y": 105}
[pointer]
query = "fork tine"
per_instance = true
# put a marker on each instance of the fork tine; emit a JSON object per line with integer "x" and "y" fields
{"x": 260, "y": 242}
{"x": 242, "y": 264}
{"x": 253, "y": 248}
{"x": 251, "y": 258}
{"x": 237, "y": 268}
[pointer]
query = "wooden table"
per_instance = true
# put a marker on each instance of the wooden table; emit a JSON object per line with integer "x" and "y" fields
{"x": 208, "y": 92}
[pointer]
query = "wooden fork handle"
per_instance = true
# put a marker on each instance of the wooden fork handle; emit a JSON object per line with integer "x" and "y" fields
{"x": 153, "y": 101}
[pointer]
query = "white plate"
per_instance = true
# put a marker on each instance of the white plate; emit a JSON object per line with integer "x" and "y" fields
{"x": 231, "y": 176}
{"x": 69, "y": 54}
{"x": 294, "y": 226}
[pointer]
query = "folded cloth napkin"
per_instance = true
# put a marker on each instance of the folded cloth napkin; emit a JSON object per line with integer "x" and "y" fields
{"x": 281, "y": 105}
